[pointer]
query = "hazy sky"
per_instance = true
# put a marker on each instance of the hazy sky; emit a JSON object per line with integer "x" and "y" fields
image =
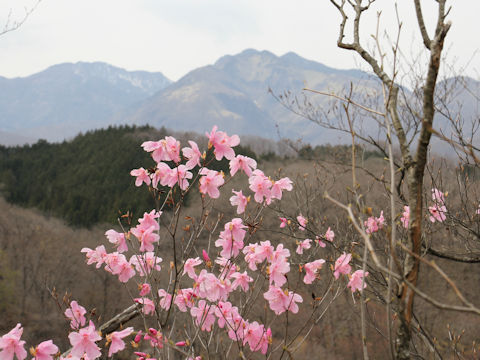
{"x": 176, "y": 36}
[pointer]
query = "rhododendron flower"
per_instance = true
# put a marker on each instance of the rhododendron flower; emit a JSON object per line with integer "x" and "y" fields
{"x": 142, "y": 176}
{"x": 239, "y": 200}
{"x": 165, "y": 299}
{"x": 277, "y": 270}
{"x": 193, "y": 155}
{"x": 211, "y": 288}
{"x": 283, "y": 222}
{"x": 438, "y": 213}
{"x": 11, "y": 344}
{"x": 438, "y": 196}
{"x": 76, "y": 314}
{"x": 253, "y": 335}
{"x": 118, "y": 239}
{"x": 163, "y": 175}
{"x": 303, "y": 245}
{"x": 478, "y": 210}
{"x": 167, "y": 149}
{"x": 97, "y": 256}
{"x": 242, "y": 280}
{"x": 222, "y": 143}
{"x": 116, "y": 339}
{"x": 184, "y": 298}
{"x": 356, "y": 279}
{"x": 374, "y": 224}
{"x": 302, "y": 221}
{"x": 148, "y": 305}
{"x": 181, "y": 175}
{"x": 244, "y": 163}
{"x": 155, "y": 337}
{"x": 260, "y": 185}
{"x": 205, "y": 256}
{"x": 405, "y": 219}
{"x": 281, "y": 301}
{"x": 83, "y": 342}
{"x": 146, "y": 262}
{"x": 329, "y": 235}
{"x": 231, "y": 239}
{"x": 311, "y": 270}
{"x": 320, "y": 242}
{"x": 342, "y": 265}
{"x": 204, "y": 315}
{"x": 45, "y": 350}
{"x": 189, "y": 267}
{"x": 144, "y": 289}
{"x": 210, "y": 181}
{"x": 147, "y": 237}
{"x": 225, "y": 312}
{"x": 279, "y": 185}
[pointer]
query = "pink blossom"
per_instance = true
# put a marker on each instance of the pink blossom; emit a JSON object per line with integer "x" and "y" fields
{"x": 478, "y": 210}
{"x": 205, "y": 256}
{"x": 142, "y": 176}
{"x": 167, "y": 149}
{"x": 146, "y": 262}
{"x": 244, "y": 163}
{"x": 156, "y": 338}
{"x": 329, "y": 235}
{"x": 438, "y": 196}
{"x": 405, "y": 219}
{"x": 320, "y": 242}
{"x": 242, "y": 280}
{"x": 181, "y": 175}
{"x": 76, "y": 314}
{"x": 283, "y": 222}
{"x": 45, "y": 350}
{"x": 231, "y": 239}
{"x": 222, "y": 143}
{"x": 193, "y": 155}
{"x": 311, "y": 270}
{"x": 162, "y": 175}
{"x": 342, "y": 265}
{"x": 189, "y": 267}
{"x": 145, "y": 289}
{"x": 303, "y": 245}
{"x": 277, "y": 270}
{"x": 83, "y": 342}
{"x": 239, "y": 200}
{"x": 204, "y": 315}
{"x": 281, "y": 301}
{"x": 211, "y": 288}
{"x": 184, "y": 298}
{"x": 225, "y": 313}
{"x": 116, "y": 338}
{"x": 253, "y": 335}
{"x": 260, "y": 185}
{"x": 118, "y": 239}
{"x": 438, "y": 213}
{"x": 165, "y": 299}
{"x": 97, "y": 256}
{"x": 279, "y": 185}
{"x": 11, "y": 344}
{"x": 356, "y": 279}
{"x": 210, "y": 181}
{"x": 149, "y": 219}
{"x": 148, "y": 305}
{"x": 302, "y": 221}
{"x": 147, "y": 237}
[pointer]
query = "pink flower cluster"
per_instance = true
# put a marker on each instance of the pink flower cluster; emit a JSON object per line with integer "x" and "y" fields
{"x": 438, "y": 210}
{"x": 374, "y": 224}
{"x": 342, "y": 266}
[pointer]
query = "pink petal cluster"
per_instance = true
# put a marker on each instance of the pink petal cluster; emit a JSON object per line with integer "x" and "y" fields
{"x": 97, "y": 256}
{"x": 281, "y": 301}
{"x": 148, "y": 305}
{"x": 311, "y": 270}
{"x": 192, "y": 154}
{"x": 342, "y": 265}
{"x": 329, "y": 235}
{"x": 117, "y": 344}
{"x": 374, "y": 224}
{"x": 261, "y": 185}
{"x": 283, "y": 222}
{"x": 204, "y": 315}
{"x": 231, "y": 238}
{"x": 145, "y": 263}
{"x": 83, "y": 342}
{"x": 478, "y": 210}
{"x": 45, "y": 350}
{"x": 302, "y": 221}
{"x": 117, "y": 264}
{"x": 405, "y": 219}
{"x": 210, "y": 181}
{"x": 356, "y": 280}
{"x": 303, "y": 245}
{"x": 239, "y": 200}
{"x": 189, "y": 267}
{"x": 146, "y": 230}
{"x": 142, "y": 176}
{"x": 118, "y": 239}
{"x": 241, "y": 280}
{"x": 280, "y": 185}
{"x": 222, "y": 143}
{"x": 11, "y": 344}
{"x": 165, "y": 299}
{"x": 438, "y": 210}
{"x": 244, "y": 163}
{"x": 167, "y": 149}
{"x": 76, "y": 314}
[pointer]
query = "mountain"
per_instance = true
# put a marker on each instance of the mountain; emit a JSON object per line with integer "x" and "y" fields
{"x": 66, "y": 99}
{"x": 234, "y": 94}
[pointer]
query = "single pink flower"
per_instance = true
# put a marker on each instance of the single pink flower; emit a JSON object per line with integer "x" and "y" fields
{"x": 204, "y": 315}
{"x": 329, "y": 235}
{"x": 146, "y": 262}
{"x": 45, "y": 350}
{"x": 242, "y": 280}
{"x": 117, "y": 344}
{"x": 438, "y": 213}
{"x": 210, "y": 181}
{"x": 145, "y": 289}
{"x": 222, "y": 143}
{"x": 303, "y": 245}
{"x": 76, "y": 314}
{"x": 97, "y": 256}
{"x": 478, "y": 210}
{"x": 244, "y": 163}
{"x": 279, "y": 185}
{"x": 283, "y": 222}
{"x": 142, "y": 176}
{"x": 311, "y": 270}
{"x": 302, "y": 221}
{"x": 189, "y": 267}
{"x": 83, "y": 342}
{"x": 342, "y": 265}
{"x": 148, "y": 305}
{"x": 405, "y": 219}
{"x": 11, "y": 344}
{"x": 239, "y": 200}
{"x": 193, "y": 155}
{"x": 165, "y": 299}
{"x": 438, "y": 197}
{"x": 356, "y": 279}
{"x": 281, "y": 301}
{"x": 261, "y": 186}
{"x": 118, "y": 239}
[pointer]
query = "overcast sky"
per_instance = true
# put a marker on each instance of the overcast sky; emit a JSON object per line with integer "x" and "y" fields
{"x": 176, "y": 36}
